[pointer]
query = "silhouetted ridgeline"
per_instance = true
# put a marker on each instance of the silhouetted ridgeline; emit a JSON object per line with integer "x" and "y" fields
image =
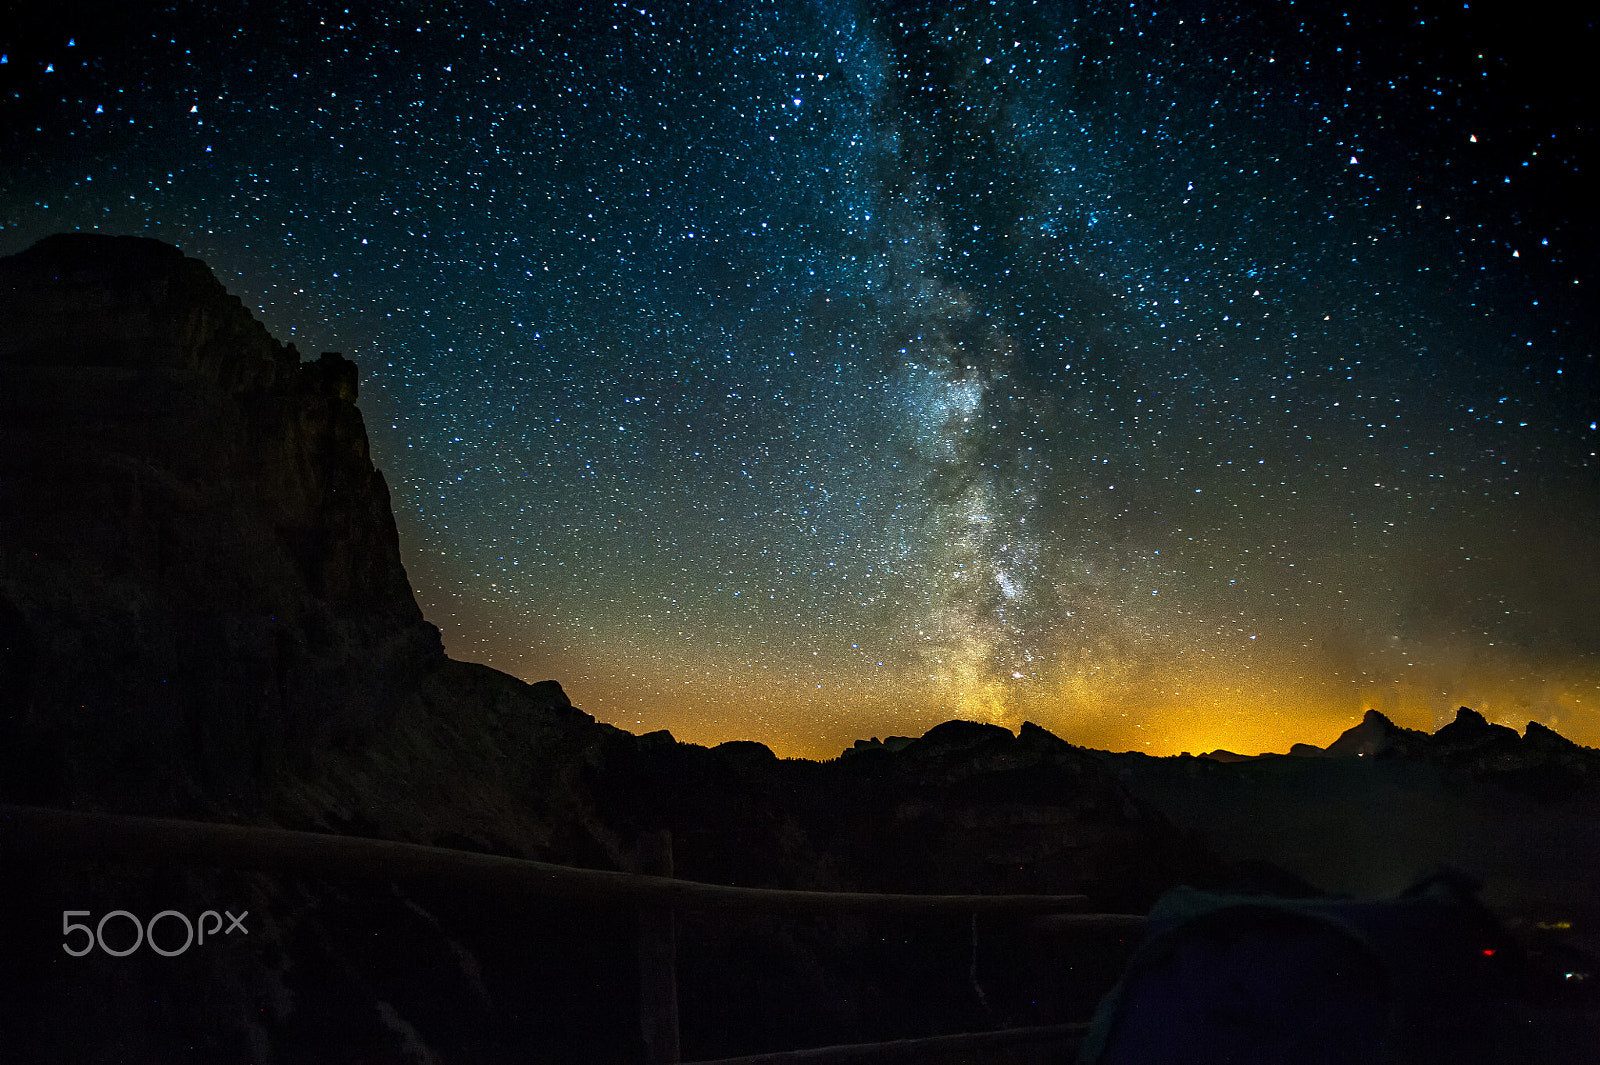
{"x": 1540, "y": 759}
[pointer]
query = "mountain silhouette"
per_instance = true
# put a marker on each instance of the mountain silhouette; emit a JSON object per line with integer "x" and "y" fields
{"x": 204, "y": 613}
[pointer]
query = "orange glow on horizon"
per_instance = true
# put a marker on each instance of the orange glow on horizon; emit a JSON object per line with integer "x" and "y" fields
{"x": 801, "y": 706}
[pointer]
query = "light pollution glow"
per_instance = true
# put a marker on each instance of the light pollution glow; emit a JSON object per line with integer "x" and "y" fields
{"x": 1157, "y": 701}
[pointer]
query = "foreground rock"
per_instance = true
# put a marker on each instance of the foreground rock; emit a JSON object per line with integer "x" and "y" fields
{"x": 200, "y": 580}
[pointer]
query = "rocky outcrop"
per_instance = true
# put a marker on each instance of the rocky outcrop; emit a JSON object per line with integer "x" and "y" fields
{"x": 1377, "y": 736}
{"x": 200, "y": 579}
{"x": 1471, "y": 742}
{"x": 889, "y": 743}
{"x": 1540, "y": 763}
{"x": 1547, "y": 742}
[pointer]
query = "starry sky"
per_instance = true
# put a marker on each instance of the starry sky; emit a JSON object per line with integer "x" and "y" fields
{"x": 1176, "y": 376}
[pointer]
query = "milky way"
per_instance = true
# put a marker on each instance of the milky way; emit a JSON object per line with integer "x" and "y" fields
{"x": 1175, "y": 376}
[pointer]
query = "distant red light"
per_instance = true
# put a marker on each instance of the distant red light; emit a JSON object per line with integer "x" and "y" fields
{"x": 1488, "y": 953}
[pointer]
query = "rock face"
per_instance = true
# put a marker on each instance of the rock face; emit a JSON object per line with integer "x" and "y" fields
{"x": 200, "y": 580}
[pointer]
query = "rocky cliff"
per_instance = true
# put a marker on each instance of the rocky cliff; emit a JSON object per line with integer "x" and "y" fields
{"x": 200, "y": 580}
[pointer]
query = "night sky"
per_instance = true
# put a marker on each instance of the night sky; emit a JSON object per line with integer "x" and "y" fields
{"x": 1174, "y": 376}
